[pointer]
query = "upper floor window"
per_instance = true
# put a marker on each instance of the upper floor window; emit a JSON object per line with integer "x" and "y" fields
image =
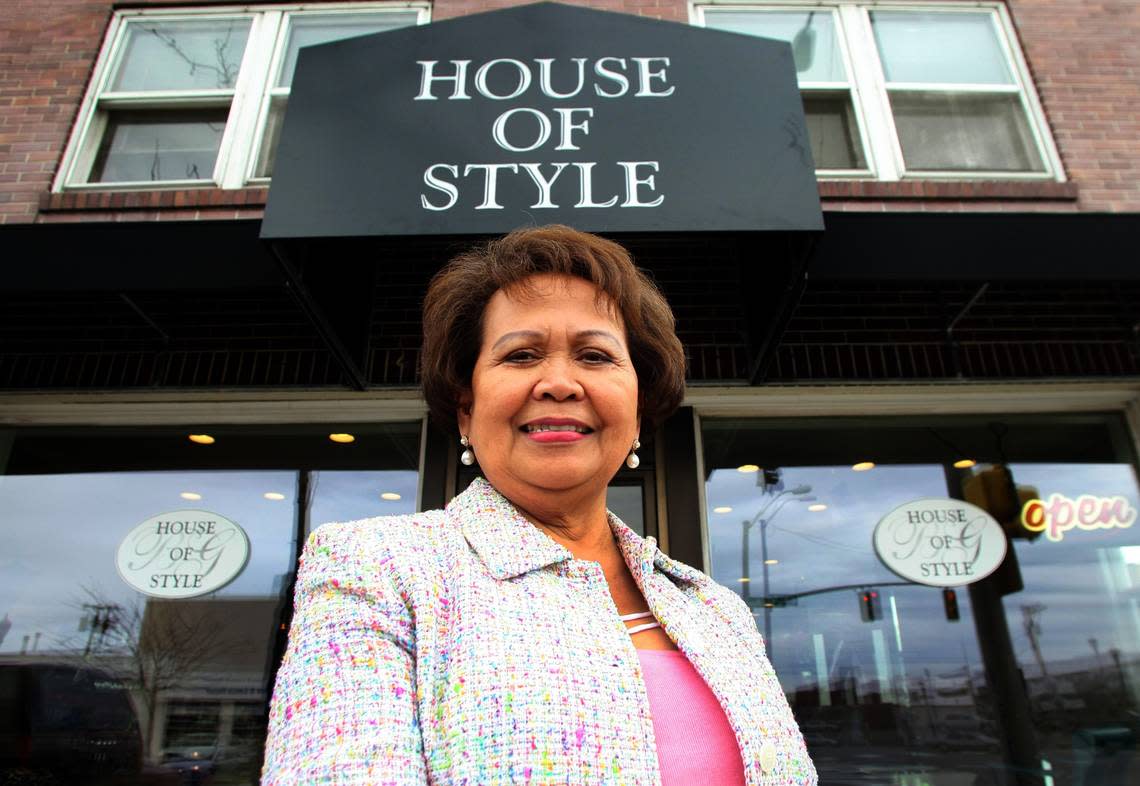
{"x": 902, "y": 91}
{"x": 196, "y": 96}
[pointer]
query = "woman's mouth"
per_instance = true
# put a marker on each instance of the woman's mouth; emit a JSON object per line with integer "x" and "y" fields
{"x": 556, "y": 432}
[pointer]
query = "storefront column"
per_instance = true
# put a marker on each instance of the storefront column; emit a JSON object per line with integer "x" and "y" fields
{"x": 683, "y": 483}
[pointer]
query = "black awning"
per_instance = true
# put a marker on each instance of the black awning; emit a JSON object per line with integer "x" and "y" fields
{"x": 539, "y": 114}
{"x": 979, "y": 246}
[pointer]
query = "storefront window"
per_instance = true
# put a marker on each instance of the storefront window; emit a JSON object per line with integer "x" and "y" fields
{"x": 144, "y": 612}
{"x": 896, "y": 682}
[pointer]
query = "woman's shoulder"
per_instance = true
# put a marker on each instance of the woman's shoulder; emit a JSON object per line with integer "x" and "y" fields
{"x": 387, "y": 542}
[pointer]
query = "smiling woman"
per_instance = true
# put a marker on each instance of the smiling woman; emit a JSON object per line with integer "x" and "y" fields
{"x": 427, "y": 648}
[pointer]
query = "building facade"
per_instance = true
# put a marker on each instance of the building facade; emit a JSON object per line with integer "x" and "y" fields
{"x": 966, "y": 327}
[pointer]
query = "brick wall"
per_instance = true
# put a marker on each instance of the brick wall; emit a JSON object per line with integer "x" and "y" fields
{"x": 1085, "y": 58}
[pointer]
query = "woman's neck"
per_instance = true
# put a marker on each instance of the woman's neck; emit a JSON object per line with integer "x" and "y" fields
{"x": 583, "y": 528}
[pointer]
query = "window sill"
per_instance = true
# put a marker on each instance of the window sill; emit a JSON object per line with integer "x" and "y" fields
{"x": 951, "y": 190}
{"x": 176, "y": 199}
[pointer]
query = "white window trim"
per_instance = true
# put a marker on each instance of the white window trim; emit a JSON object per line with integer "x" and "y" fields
{"x": 242, "y": 137}
{"x": 881, "y": 144}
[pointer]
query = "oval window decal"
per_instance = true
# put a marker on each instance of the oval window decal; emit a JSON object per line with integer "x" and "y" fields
{"x": 940, "y": 542}
{"x": 182, "y": 554}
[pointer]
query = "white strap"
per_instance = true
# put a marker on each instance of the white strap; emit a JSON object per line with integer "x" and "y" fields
{"x": 637, "y": 615}
{"x": 646, "y": 626}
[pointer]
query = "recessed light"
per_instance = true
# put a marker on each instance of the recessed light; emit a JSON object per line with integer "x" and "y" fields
{"x": 190, "y": 495}
{"x": 391, "y": 496}
{"x": 817, "y": 507}
{"x": 202, "y": 439}
{"x": 863, "y": 466}
{"x": 771, "y": 562}
{"x": 343, "y": 439}
{"x": 722, "y": 509}
{"x": 964, "y": 463}
{"x": 273, "y": 495}
{"x": 746, "y": 468}
{"x": 744, "y": 580}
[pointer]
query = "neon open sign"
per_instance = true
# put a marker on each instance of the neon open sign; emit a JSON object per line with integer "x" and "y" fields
{"x": 1061, "y": 514}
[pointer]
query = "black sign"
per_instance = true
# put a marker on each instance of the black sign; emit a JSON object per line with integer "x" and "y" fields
{"x": 539, "y": 114}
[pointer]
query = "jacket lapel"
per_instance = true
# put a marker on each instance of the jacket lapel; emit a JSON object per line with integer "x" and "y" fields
{"x": 504, "y": 540}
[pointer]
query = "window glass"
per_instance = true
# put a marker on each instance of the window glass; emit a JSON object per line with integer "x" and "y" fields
{"x": 815, "y": 47}
{"x": 159, "y": 145}
{"x": 964, "y": 131}
{"x": 189, "y": 55}
{"x": 147, "y": 681}
{"x": 1076, "y": 625}
{"x": 833, "y": 131}
{"x": 307, "y": 30}
{"x": 894, "y": 682}
{"x": 949, "y": 48}
{"x": 349, "y": 495}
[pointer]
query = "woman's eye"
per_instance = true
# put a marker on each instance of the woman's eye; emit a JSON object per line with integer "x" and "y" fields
{"x": 595, "y": 356}
{"x": 521, "y": 356}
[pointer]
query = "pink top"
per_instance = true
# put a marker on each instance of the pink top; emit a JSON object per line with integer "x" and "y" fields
{"x": 695, "y": 744}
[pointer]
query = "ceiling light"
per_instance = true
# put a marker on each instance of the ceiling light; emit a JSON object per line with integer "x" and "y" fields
{"x": 343, "y": 439}
{"x": 722, "y": 509}
{"x": 391, "y": 496}
{"x": 964, "y": 463}
{"x": 190, "y": 495}
{"x": 863, "y": 466}
{"x": 817, "y": 507}
{"x": 746, "y": 468}
{"x": 273, "y": 495}
{"x": 771, "y": 562}
{"x": 202, "y": 439}
{"x": 744, "y": 580}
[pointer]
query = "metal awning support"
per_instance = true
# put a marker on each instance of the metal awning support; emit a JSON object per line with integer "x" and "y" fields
{"x": 295, "y": 284}
{"x": 799, "y": 253}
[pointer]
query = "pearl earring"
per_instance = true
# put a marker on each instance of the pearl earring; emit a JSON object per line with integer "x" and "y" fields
{"x": 632, "y": 461}
{"x": 467, "y": 457}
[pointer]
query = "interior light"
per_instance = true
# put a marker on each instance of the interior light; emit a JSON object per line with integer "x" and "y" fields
{"x": 817, "y": 507}
{"x": 202, "y": 439}
{"x": 343, "y": 439}
{"x": 391, "y": 496}
{"x": 744, "y": 580}
{"x": 190, "y": 495}
{"x": 746, "y": 468}
{"x": 722, "y": 509}
{"x": 771, "y": 562}
{"x": 964, "y": 463}
{"x": 863, "y": 466}
{"x": 273, "y": 495}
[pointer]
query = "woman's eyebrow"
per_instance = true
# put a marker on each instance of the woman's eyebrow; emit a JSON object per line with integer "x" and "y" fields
{"x": 602, "y": 334}
{"x": 530, "y": 335}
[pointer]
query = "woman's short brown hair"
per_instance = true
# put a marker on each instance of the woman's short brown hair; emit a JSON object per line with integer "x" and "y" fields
{"x": 458, "y": 295}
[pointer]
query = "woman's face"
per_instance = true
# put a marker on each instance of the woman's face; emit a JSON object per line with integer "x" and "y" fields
{"x": 553, "y": 399}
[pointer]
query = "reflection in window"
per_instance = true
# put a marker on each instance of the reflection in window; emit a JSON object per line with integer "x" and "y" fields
{"x": 351, "y": 495}
{"x": 896, "y": 691}
{"x": 157, "y": 680}
{"x": 1076, "y": 625}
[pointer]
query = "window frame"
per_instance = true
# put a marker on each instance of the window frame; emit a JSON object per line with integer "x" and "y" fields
{"x": 248, "y": 100}
{"x": 870, "y": 91}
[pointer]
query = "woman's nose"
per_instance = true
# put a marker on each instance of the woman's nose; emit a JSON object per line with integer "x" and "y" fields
{"x": 558, "y": 382}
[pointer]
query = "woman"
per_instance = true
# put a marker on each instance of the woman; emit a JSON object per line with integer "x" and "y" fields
{"x": 523, "y": 635}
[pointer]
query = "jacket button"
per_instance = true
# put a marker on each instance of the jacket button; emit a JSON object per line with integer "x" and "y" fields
{"x": 768, "y": 757}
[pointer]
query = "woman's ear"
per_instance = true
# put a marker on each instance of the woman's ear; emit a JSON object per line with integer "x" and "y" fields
{"x": 463, "y": 412}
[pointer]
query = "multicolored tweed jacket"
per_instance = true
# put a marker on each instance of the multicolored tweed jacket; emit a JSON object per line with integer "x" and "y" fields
{"x": 464, "y": 646}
